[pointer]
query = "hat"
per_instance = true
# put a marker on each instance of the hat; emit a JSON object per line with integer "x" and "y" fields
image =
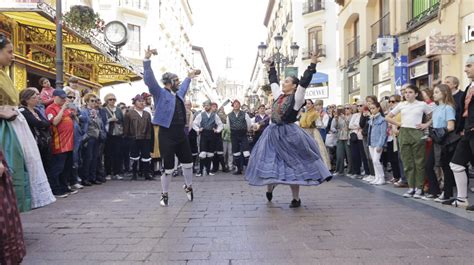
{"x": 73, "y": 79}
{"x": 207, "y": 102}
{"x": 59, "y": 93}
{"x": 470, "y": 59}
{"x": 236, "y": 100}
{"x": 146, "y": 95}
{"x": 137, "y": 98}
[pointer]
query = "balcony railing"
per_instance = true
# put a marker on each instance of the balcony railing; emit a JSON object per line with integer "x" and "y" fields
{"x": 353, "y": 50}
{"x": 306, "y": 52}
{"x": 138, "y": 4}
{"x": 381, "y": 28}
{"x": 312, "y": 6}
{"x": 423, "y": 11}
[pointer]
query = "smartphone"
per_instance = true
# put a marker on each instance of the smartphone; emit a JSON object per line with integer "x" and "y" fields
{"x": 340, "y": 112}
{"x": 197, "y": 72}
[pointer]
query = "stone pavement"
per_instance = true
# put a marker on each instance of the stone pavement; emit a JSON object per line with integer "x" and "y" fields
{"x": 341, "y": 222}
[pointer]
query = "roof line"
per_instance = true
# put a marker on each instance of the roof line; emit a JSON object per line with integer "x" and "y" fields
{"x": 271, "y": 3}
{"x": 204, "y": 57}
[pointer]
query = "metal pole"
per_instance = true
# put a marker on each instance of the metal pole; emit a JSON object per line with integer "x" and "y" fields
{"x": 278, "y": 63}
{"x": 59, "y": 45}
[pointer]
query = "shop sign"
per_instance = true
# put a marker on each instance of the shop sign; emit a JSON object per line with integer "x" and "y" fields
{"x": 441, "y": 44}
{"x": 419, "y": 70}
{"x": 319, "y": 92}
{"x": 469, "y": 34}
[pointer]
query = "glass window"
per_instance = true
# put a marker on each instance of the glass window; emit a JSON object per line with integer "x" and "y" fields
{"x": 315, "y": 38}
{"x": 354, "y": 83}
{"x": 134, "y": 39}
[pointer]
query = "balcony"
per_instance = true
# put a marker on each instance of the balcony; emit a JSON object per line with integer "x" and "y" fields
{"x": 135, "y": 4}
{"x": 422, "y": 12}
{"x": 311, "y": 6}
{"x": 305, "y": 53}
{"x": 381, "y": 28}
{"x": 353, "y": 50}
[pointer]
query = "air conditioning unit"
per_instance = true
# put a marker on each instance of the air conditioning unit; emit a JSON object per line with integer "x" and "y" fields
{"x": 385, "y": 45}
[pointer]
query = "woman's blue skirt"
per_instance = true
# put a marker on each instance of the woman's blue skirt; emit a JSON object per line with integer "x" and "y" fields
{"x": 286, "y": 154}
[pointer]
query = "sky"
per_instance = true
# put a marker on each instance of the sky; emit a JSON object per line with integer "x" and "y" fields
{"x": 229, "y": 28}
{"x": 224, "y": 28}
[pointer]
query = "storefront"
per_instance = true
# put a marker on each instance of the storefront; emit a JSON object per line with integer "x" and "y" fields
{"x": 33, "y": 34}
{"x": 424, "y": 70}
{"x": 381, "y": 79}
{"x": 354, "y": 87}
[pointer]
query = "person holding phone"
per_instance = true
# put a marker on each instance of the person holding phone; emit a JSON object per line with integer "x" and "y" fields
{"x": 285, "y": 153}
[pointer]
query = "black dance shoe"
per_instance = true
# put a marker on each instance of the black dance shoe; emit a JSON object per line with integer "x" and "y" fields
{"x": 295, "y": 203}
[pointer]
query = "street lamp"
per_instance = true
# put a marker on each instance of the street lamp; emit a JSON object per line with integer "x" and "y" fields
{"x": 281, "y": 60}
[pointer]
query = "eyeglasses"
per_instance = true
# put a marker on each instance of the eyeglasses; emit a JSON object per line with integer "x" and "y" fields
{"x": 347, "y": 108}
{"x": 92, "y": 100}
{"x": 392, "y": 101}
{"x": 112, "y": 99}
{"x": 71, "y": 97}
{"x": 360, "y": 105}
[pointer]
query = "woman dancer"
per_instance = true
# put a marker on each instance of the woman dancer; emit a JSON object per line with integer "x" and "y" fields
{"x": 308, "y": 123}
{"x": 286, "y": 154}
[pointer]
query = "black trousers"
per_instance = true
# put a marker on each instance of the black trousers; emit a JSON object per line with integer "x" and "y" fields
{"x": 239, "y": 140}
{"x": 192, "y": 137}
{"x": 394, "y": 160}
{"x": 60, "y": 172}
{"x": 449, "y": 182}
{"x": 208, "y": 140}
{"x": 141, "y": 149}
{"x": 174, "y": 142}
{"x": 112, "y": 155}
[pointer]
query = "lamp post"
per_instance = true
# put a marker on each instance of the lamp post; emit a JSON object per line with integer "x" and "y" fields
{"x": 59, "y": 45}
{"x": 280, "y": 59}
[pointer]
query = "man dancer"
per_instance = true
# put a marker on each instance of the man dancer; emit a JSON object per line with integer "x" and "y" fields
{"x": 219, "y": 153}
{"x": 170, "y": 115}
{"x": 465, "y": 148}
{"x": 137, "y": 127}
{"x": 207, "y": 124}
{"x": 262, "y": 120}
{"x": 239, "y": 123}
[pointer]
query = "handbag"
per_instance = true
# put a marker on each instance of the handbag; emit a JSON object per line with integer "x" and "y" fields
{"x": 353, "y": 137}
{"x": 438, "y": 135}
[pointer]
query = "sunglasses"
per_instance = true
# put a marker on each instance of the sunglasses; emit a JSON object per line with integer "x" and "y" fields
{"x": 71, "y": 97}
{"x": 393, "y": 101}
{"x": 360, "y": 105}
{"x": 112, "y": 99}
{"x": 347, "y": 108}
{"x": 93, "y": 100}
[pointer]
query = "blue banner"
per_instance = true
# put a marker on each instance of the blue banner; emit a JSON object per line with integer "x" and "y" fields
{"x": 401, "y": 71}
{"x": 319, "y": 78}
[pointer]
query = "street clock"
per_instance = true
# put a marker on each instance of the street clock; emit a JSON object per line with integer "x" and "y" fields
{"x": 116, "y": 33}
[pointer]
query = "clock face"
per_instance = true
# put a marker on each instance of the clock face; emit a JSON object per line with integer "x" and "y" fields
{"x": 116, "y": 33}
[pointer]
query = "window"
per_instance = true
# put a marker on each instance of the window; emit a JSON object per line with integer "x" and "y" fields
{"x": 315, "y": 38}
{"x": 134, "y": 39}
{"x": 354, "y": 83}
{"x": 419, "y": 7}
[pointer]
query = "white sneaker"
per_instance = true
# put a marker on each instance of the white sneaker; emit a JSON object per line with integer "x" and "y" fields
{"x": 199, "y": 175}
{"x": 77, "y": 186}
{"x": 211, "y": 174}
{"x": 117, "y": 177}
{"x": 108, "y": 177}
{"x": 409, "y": 193}
{"x": 370, "y": 179}
{"x": 418, "y": 194}
{"x": 377, "y": 182}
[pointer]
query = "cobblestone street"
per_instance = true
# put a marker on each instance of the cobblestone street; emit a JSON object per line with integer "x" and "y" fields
{"x": 341, "y": 222}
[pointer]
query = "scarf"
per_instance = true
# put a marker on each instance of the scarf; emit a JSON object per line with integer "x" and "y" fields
{"x": 8, "y": 94}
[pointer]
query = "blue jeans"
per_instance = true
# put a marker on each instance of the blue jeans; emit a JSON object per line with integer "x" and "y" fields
{"x": 60, "y": 172}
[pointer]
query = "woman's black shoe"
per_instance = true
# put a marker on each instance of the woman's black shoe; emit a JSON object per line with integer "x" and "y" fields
{"x": 295, "y": 203}
{"x": 95, "y": 182}
{"x": 269, "y": 195}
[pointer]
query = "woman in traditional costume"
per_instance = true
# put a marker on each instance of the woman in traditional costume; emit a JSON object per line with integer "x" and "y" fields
{"x": 286, "y": 154}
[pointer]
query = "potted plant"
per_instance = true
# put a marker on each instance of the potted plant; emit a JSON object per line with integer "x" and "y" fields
{"x": 83, "y": 19}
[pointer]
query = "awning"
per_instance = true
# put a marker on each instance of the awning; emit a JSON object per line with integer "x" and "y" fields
{"x": 84, "y": 56}
{"x": 319, "y": 78}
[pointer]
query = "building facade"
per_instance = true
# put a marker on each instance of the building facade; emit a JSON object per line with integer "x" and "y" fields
{"x": 424, "y": 44}
{"x": 310, "y": 24}
{"x": 202, "y": 87}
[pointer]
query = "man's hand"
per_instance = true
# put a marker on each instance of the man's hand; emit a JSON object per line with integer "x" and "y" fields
{"x": 200, "y": 129}
{"x": 315, "y": 58}
{"x": 149, "y": 52}
{"x": 193, "y": 73}
{"x": 379, "y": 149}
